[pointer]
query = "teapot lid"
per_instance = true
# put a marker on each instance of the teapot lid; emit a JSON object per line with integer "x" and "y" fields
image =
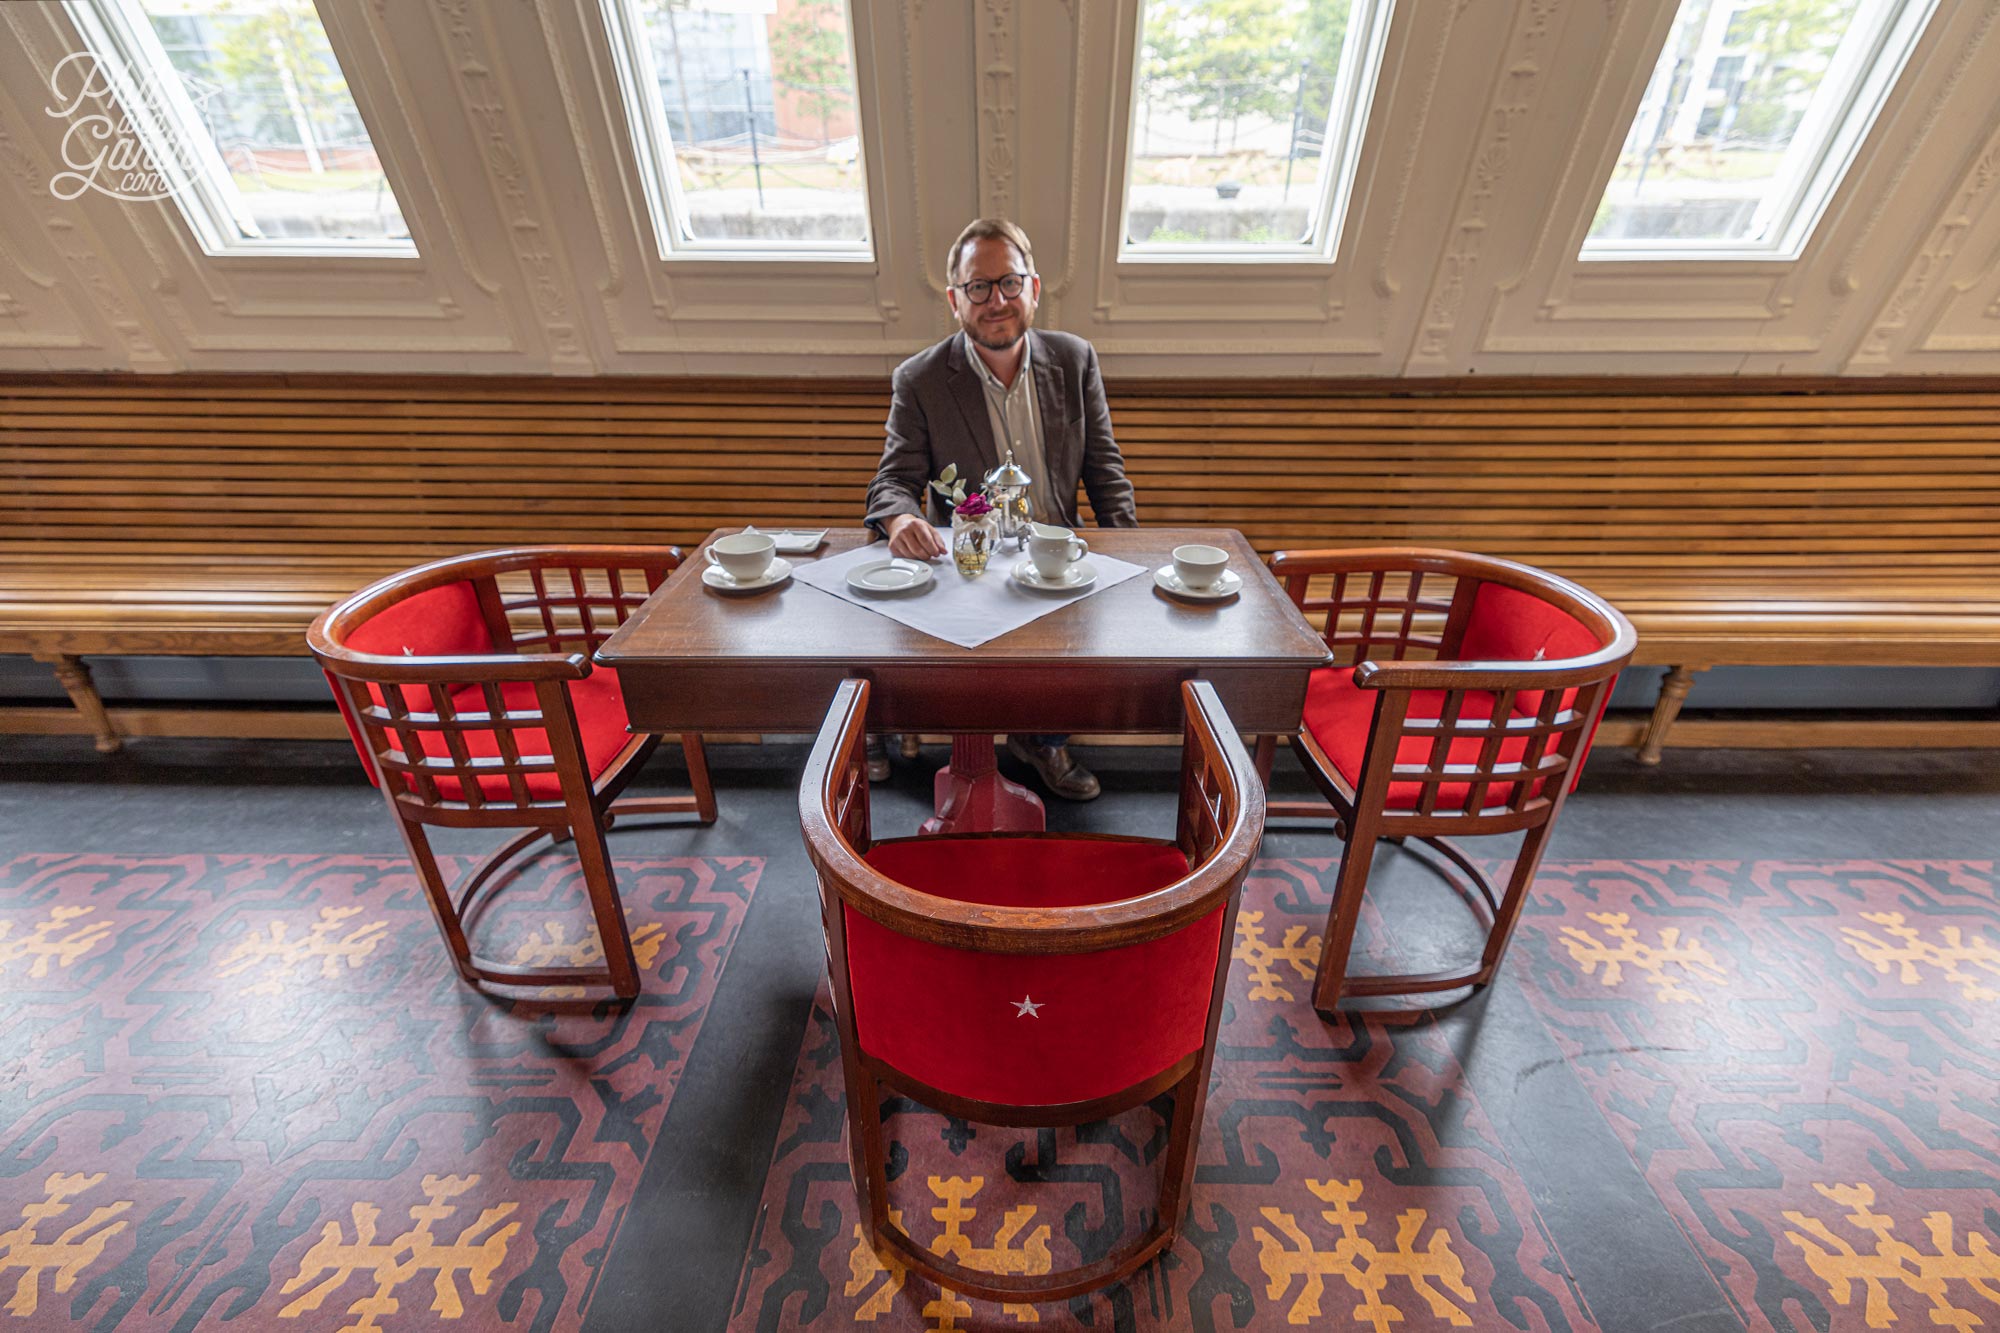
{"x": 1009, "y": 473}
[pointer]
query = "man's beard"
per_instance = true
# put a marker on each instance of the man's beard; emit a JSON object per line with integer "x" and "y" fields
{"x": 995, "y": 342}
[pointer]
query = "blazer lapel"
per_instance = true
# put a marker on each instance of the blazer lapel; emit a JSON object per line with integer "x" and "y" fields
{"x": 1064, "y": 455}
{"x": 970, "y": 396}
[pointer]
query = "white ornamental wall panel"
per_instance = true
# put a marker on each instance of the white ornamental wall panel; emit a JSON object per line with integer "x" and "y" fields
{"x": 1559, "y": 311}
{"x": 1943, "y": 314}
{"x": 1493, "y": 126}
{"x": 1352, "y": 316}
{"x": 643, "y": 313}
{"x": 262, "y": 312}
{"x": 46, "y": 319}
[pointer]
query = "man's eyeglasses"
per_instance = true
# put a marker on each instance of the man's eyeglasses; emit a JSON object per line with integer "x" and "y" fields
{"x": 980, "y": 290}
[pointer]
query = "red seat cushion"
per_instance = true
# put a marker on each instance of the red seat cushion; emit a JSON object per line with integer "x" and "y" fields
{"x": 599, "y": 703}
{"x": 1508, "y": 625}
{"x": 1338, "y": 713}
{"x": 951, "y": 1018}
{"x": 441, "y": 622}
{"x": 446, "y": 622}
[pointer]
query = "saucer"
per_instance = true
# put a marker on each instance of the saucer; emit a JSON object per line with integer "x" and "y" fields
{"x": 896, "y": 574}
{"x": 1081, "y": 575}
{"x": 718, "y": 578}
{"x": 1228, "y": 585}
{"x": 792, "y": 541}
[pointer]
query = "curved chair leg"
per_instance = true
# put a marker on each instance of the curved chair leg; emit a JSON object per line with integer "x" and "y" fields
{"x": 1508, "y": 910}
{"x": 438, "y": 894}
{"x": 1357, "y": 855}
{"x": 600, "y": 885}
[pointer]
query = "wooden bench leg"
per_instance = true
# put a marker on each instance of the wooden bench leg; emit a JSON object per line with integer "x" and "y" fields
{"x": 75, "y": 678}
{"x": 1673, "y": 692}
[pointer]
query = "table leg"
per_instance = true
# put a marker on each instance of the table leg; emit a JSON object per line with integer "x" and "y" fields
{"x": 972, "y": 797}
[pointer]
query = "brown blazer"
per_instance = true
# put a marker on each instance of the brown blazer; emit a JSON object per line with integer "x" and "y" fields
{"x": 937, "y": 416}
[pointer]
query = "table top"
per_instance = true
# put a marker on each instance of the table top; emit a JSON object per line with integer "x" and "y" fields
{"x": 1132, "y": 622}
{"x": 695, "y": 660}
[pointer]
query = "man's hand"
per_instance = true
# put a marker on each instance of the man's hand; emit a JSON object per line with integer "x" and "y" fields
{"x": 912, "y": 536}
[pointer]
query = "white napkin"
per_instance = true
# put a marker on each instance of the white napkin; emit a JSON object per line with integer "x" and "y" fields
{"x": 960, "y": 610}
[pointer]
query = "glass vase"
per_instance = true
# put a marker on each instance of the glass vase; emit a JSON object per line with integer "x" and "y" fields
{"x": 973, "y": 541}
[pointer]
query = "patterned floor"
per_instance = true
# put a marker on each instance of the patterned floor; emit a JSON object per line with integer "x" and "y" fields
{"x": 1801, "y": 1059}
{"x": 250, "y": 1091}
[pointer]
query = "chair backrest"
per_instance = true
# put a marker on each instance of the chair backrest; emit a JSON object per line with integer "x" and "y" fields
{"x": 453, "y": 676}
{"x": 1492, "y": 677}
{"x": 1133, "y": 930}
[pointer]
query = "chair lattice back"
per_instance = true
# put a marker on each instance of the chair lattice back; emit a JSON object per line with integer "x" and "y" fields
{"x": 393, "y": 731}
{"x": 482, "y": 733}
{"x": 1210, "y": 799}
{"x": 1520, "y": 760}
{"x": 571, "y": 607}
{"x": 1492, "y": 743}
{"x": 1379, "y": 614}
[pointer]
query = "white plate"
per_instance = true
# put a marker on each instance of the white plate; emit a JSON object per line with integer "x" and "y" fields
{"x": 793, "y": 541}
{"x": 1081, "y": 575}
{"x": 896, "y": 574}
{"x": 1228, "y": 585}
{"x": 718, "y": 578}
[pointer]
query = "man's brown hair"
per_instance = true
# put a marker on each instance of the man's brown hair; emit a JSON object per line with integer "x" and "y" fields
{"x": 987, "y": 229}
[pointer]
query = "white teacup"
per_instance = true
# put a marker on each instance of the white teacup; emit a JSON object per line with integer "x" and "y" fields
{"x": 1054, "y": 550}
{"x": 744, "y": 556}
{"x": 1198, "y": 566}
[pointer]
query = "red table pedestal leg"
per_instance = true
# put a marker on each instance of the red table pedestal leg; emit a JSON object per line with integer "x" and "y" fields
{"x": 972, "y": 797}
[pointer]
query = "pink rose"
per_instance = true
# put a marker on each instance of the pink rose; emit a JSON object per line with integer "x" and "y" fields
{"x": 974, "y": 506}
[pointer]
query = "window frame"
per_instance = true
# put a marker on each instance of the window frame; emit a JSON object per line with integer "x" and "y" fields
{"x": 1361, "y": 56}
{"x": 653, "y": 147}
{"x": 207, "y": 197}
{"x": 1808, "y": 186}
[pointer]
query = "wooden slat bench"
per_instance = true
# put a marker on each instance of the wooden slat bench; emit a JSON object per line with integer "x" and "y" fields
{"x": 1768, "y": 522}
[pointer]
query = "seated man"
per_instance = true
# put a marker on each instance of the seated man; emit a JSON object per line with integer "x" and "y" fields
{"x": 992, "y": 386}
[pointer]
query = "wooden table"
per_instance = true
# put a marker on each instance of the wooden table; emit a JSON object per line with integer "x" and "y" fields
{"x": 696, "y": 660}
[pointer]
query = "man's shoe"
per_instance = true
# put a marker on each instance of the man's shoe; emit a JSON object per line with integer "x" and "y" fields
{"x": 878, "y": 760}
{"x": 1059, "y": 772}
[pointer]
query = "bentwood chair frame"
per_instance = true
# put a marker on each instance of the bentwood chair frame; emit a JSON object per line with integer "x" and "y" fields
{"x": 1220, "y": 824}
{"x": 543, "y": 635}
{"x": 1386, "y": 618}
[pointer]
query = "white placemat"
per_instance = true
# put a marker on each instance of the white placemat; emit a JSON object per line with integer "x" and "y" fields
{"x": 967, "y": 612}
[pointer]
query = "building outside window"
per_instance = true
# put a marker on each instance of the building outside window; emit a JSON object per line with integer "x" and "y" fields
{"x": 746, "y": 118}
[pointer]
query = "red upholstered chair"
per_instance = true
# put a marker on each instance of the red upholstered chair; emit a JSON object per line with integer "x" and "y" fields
{"x": 1463, "y": 698}
{"x": 1122, "y": 943}
{"x": 468, "y": 687}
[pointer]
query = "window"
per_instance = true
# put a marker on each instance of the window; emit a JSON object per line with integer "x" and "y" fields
{"x": 1246, "y": 126}
{"x": 747, "y": 126}
{"x": 1753, "y": 114}
{"x": 248, "y": 120}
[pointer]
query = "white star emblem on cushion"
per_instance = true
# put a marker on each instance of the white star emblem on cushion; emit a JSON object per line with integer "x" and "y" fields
{"x": 1025, "y": 1007}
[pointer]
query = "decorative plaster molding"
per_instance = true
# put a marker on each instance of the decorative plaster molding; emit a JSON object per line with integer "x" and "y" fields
{"x": 70, "y": 235}
{"x": 471, "y": 63}
{"x": 1385, "y": 282}
{"x": 1936, "y": 253}
{"x": 1564, "y": 189}
{"x": 1844, "y": 282}
{"x": 1517, "y": 90}
{"x": 586, "y": 162}
{"x": 1080, "y": 62}
{"x": 912, "y": 10}
{"x": 464, "y": 253}
{"x": 994, "y": 51}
